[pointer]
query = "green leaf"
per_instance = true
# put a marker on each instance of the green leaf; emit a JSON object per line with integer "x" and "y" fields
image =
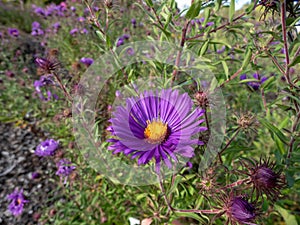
{"x": 250, "y": 8}
{"x": 194, "y": 10}
{"x": 225, "y": 67}
{"x": 149, "y": 3}
{"x": 204, "y": 48}
{"x": 288, "y": 218}
{"x": 248, "y": 55}
{"x": 274, "y": 130}
{"x": 193, "y": 215}
{"x": 231, "y": 10}
{"x": 295, "y": 61}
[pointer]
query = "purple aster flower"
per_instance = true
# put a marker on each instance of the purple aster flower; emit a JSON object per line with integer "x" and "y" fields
{"x": 65, "y": 168}
{"x": 74, "y": 31}
{"x": 84, "y": 31}
{"x": 56, "y": 25}
{"x": 39, "y": 11}
{"x": 35, "y": 25}
{"x": 96, "y": 9}
{"x": 17, "y": 202}
{"x": 73, "y": 9}
{"x": 209, "y": 24}
{"x": 47, "y": 148}
{"x": 240, "y": 211}
{"x": 254, "y": 84}
{"x": 35, "y": 175}
{"x": 219, "y": 51}
{"x": 87, "y": 61}
{"x": 13, "y": 32}
{"x": 192, "y": 22}
{"x": 126, "y": 36}
{"x": 156, "y": 126}
{"x": 133, "y": 21}
{"x": 189, "y": 165}
{"x": 130, "y": 51}
{"x": 120, "y": 41}
{"x": 81, "y": 19}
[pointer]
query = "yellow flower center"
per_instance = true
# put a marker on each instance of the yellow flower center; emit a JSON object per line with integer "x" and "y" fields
{"x": 156, "y": 131}
{"x": 19, "y": 201}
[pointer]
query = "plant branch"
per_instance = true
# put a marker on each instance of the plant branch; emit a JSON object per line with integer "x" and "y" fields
{"x": 232, "y": 77}
{"x": 293, "y": 139}
{"x": 182, "y": 42}
{"x": 62, "y": 87}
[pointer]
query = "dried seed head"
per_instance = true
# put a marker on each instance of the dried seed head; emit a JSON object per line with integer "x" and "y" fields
{"x": 201, "y": 99}
{"x": 247, "y": 121}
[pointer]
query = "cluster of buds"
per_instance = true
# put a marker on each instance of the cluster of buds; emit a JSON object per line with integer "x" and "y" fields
{"x": 201, "y": 98}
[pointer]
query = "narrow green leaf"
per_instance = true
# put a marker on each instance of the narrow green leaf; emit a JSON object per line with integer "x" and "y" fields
{"x": 247, "y": 57}
{"x": 273, "y": 130}
{"x": 204, "y": 48}
{"x": 295, "y": 61}
{"x": 194, "y": 10}
{"x": 225, "y": 67}
{"x": 288, "y": 218}
{"x": 231, "y": 10}
{"x": 149, "y": 3}
{"x": 194, "y": 216}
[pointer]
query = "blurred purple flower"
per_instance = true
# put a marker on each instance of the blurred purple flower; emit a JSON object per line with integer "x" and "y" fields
{"x": 189, "y": 165}
{"x": 133, "y": 22}
{"x": 219, "y": 51}
{"x": 17, "y": 202}
{"x": 56, "y": 25}
{"x": 209, "y": 24}
{"x": 35, "y": 25}
{"x": 81, "y": 19}
{"x": 35, "y": 175}
{"x": 73, "y": 9}
{"x": 74, "y": 31}
{"x": 84, "y": 31}
{"x": 126, "y": 36}
{"x": 39, "y": 11}
{"x": 96, "y": 9}
{"x": 46, "y": 148}
{"x": 130, "y": 51}
{"x": 254, "y": 84}
{"x": 120, "y": 41}
{"x": 65, "y": 168}
{"x": 87, "y": 61}
{"x": 13, "y": 32}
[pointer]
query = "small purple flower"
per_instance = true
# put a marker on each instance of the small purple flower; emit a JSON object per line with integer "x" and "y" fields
{"x": 241, "y": 211}
{"x": 126, "y": 36}
{"x": 47, "y": 148}
{"x": 74, "y": 31}
{"x": 35, "y": 175}
{"x": 120, "y": 41}
{"x": 209, "y": 24}
{"x": 40, "y": 11}
{"x": 130, "y": 51}
{"x": 13, "y": 32}
{"x": 87, "y": 61}
{"x": 133, "y": 22}
{"x": 73, "y": 9}
{"x": 254, "y": 84}
{"x": 219, "y": 51}
{"x": 84, "y": 31}
{"x": 17, "y": 202}
{"x": 189, "y": 165}
{"x": 65, "y": 168}
{"x": 56, "y": 25}
{"x": 35, "y": 25}
{"x": 81, "y": 19}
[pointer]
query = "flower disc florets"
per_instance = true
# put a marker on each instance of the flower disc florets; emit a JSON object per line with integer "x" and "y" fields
{"x": 156, "y": 126}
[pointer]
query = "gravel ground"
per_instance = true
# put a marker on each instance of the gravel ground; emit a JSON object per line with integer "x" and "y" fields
{"x": 17, "y": 163}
